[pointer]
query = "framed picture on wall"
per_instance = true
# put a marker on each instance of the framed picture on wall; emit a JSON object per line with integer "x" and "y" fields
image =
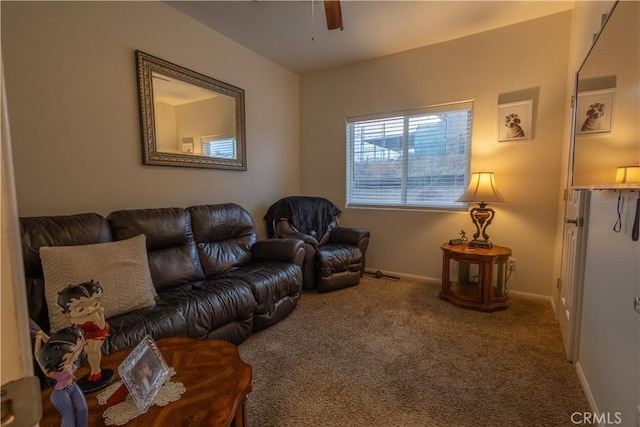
{"x": 514, "y": 121}
{"x": 594, "y": 111}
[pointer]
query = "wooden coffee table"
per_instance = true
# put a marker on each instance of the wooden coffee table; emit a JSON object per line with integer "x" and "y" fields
{"x": 217, "y": 383}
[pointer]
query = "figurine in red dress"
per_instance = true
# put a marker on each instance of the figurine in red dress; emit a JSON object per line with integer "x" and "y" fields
{"x": 81, "y": 304}
{"x": 56, "y": 356}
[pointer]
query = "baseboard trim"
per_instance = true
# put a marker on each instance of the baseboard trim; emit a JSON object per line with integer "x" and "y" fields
{"x": 585, "y": 387}
{"x": 529, "y": 295}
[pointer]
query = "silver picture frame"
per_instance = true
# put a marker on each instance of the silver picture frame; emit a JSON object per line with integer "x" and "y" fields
{"x": 143, "y": 372}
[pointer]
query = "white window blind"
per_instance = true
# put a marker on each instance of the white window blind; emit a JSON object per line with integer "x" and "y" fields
{"x": 224, "y": 148}
{"x": 418, "y": 158}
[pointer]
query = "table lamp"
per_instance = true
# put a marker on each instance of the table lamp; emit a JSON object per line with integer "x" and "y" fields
{"x": 482, "y": 189}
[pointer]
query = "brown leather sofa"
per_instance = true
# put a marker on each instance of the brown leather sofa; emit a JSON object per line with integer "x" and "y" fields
{"x": 213, "y": 278}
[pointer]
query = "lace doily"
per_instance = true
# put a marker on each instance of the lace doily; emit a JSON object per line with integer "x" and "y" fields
{"x": 127, "y": 410}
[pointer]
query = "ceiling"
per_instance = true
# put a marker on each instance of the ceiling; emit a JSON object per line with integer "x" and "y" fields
{"x": 294, "y": 35}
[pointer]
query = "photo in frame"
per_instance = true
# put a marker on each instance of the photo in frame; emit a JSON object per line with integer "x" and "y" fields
{"x": 187, "y": 145}
{"x": 144, "y": 371}
{"x": 515, "y": 121}
{"x": 594, "y": 111}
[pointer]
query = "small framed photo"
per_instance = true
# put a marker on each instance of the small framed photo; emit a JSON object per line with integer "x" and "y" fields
{"x": 594, "y": 111}
{"x": 187, "y": 147}
{"x": 143, "y": 372}
{"x": 514, "y": 121}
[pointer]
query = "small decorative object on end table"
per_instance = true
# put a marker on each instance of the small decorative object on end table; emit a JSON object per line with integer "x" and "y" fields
{"x": 475, "y": 277}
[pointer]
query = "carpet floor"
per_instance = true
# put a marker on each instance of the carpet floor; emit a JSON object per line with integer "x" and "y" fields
{"x": 391, "y": 353}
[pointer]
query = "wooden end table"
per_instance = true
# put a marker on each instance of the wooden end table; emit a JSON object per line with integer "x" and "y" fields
{"x": 475, "y": 277}
{"x": 217, "y": 383}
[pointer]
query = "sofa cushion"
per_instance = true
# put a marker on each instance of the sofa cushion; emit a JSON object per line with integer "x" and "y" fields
{"x": 338, "y": 266}
{"x": 336, "y": 258}
{"x": 171, "y": 249}
{"x": 224, "y": 235}
{"x": 276, "y": 286}
{"x": 67, "y": 230}
{"x": 120, "y": 267}
{"x": 210, "y": 304}
{"x": 127, "y": 330}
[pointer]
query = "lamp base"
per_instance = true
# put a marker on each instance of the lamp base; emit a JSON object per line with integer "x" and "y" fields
{"x": 480, "y": 244}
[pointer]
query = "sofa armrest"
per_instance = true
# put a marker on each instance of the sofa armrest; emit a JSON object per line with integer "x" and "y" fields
{"x": 301, "y": 236}
{"x": 351, "y": 236}
{"x": 283, "y": 250}
{"x": 284, "y": 230}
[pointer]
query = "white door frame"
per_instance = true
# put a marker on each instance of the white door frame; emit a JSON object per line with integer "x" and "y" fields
{"x": 16, "y": 342}
{"x": 570, "y": 288}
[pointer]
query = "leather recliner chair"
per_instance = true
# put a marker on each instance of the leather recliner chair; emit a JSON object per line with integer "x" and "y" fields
{"x": 334, "y": 255}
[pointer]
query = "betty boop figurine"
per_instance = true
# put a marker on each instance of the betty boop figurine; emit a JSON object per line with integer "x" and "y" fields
{"x": 81, "y": 304}
{"x": 56, "y": 356}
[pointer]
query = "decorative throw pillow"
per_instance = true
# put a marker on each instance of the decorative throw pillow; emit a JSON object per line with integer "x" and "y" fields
{"x": 121, "y": 267}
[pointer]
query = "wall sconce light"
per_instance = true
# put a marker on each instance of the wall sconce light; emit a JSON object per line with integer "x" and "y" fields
{"x": 628, "y": 174}
{"x": 482, "y": 189}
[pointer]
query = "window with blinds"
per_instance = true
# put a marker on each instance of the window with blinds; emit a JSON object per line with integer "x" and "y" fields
{"x": 415, "y": 159}
{"x": 223, "y": 148}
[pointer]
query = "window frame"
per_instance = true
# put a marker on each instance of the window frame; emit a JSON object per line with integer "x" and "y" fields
{"x": 405, "y": 116}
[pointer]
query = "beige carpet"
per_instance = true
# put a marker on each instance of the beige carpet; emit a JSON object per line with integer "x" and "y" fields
{"x": 391, "y": 353}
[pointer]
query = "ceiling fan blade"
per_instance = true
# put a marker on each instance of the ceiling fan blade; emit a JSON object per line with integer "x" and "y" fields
{"x": 333, "y": 12}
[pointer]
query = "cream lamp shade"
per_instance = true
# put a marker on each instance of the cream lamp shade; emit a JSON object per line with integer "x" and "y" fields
{"x": 628, "y": 174}
{"x": 482, "y": 188}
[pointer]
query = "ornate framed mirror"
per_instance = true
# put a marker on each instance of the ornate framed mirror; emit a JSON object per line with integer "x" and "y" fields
{"x": 188, "y": 119}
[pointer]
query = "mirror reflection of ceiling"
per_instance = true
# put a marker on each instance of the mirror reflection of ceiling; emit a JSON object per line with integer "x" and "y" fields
{"x": 176, "y": 92}
{"x": 191, "y": 119}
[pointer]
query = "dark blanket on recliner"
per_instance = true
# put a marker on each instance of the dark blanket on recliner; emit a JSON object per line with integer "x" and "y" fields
{"x": 309, "y": 215}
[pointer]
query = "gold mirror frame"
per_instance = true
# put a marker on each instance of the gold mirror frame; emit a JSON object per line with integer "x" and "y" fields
{"x": 146, "y": 65}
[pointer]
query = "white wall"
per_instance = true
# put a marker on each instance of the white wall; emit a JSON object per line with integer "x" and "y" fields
{"x": 72, "y": 97}
{"x": 609, "y": 352}
{"x": 532, "y": 57}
